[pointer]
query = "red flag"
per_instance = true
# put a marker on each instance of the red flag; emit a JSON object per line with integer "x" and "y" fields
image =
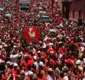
{"x": 32, "y": 34}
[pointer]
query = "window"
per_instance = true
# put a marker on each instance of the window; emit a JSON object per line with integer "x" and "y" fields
{"x": 73, "y": 13}
{"x": 80, "y": 14}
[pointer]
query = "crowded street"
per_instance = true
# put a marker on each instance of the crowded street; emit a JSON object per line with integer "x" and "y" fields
{"x": 39, "y": 43}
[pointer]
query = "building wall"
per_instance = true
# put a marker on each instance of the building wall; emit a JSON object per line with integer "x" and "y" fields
{"x": 60, "y": 4}
{"x": 76, "y": 9}
{"x": 70, "y": 14}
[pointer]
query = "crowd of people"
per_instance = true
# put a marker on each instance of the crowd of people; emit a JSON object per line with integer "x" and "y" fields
{"x": 59, "y": 54}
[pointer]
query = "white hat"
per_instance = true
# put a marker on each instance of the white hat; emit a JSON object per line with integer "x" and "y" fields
{"x": 35, "y": 57}
{"x": 1, "y": 46}
{"x": 15, "y": 64}
{"x": 14, "y": 46}
{"x": 83, "y": 44}
{"x": 8, "y": 62}
{"x": 78, "y": 62}
{"x": 39, "y": 51}
{"x": 50, "y": 44}
{"x": 30, "y": 73}
{"x": 52, "y": 52}
{"x": 41, "y": 63}
{"x": 84, "y": 60}
{"x": 50, "y": 69}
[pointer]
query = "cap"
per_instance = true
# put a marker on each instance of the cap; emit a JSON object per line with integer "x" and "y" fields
{"x": 15, "y": 64}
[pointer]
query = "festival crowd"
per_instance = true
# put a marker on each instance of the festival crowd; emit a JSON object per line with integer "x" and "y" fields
{"x": 58, "y": 55}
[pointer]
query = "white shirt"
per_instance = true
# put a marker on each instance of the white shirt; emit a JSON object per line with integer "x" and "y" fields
{"x": 66, "y": 78}
{"x": 83, "y": 79}
{"x": 14, "y": 57}
{"x": 49, "y": 78}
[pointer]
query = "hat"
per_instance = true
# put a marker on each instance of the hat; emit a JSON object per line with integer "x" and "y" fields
{"x": 41, "y": 63}
{"x": 8, "y": 62}
{"x": 83, "y": 44}
{"x": 50, "y": 69}
{"x": 60, "y": 79}
{"x": 69, "y": 61}
{"x": 30, "y": 73}
{"x": 35, "y": 57}
{"x": 84, "y": 60}
{"x": 30, "y": 43}
{"x": 78, "y": 62}
{"x": 39, "y": 51}
{"x": 50, "y": 44}
{"x": 14, "y": 46}
{"x": 1, "y": 46}
{"x": 40, "y": 42}
{"x": 80, "y": 68}
{"x": 52, "y": 52}
{"x": 15, "y": 64}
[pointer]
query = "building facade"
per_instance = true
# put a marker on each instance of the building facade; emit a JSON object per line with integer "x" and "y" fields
{"x": 60, "y": 4}
{"x": 73, "y": 9}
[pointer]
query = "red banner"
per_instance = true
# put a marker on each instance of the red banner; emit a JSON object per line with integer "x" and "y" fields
{"x": 32, "y": 35}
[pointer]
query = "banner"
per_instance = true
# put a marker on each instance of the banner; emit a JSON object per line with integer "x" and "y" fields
{"x": 32, "y": 35}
